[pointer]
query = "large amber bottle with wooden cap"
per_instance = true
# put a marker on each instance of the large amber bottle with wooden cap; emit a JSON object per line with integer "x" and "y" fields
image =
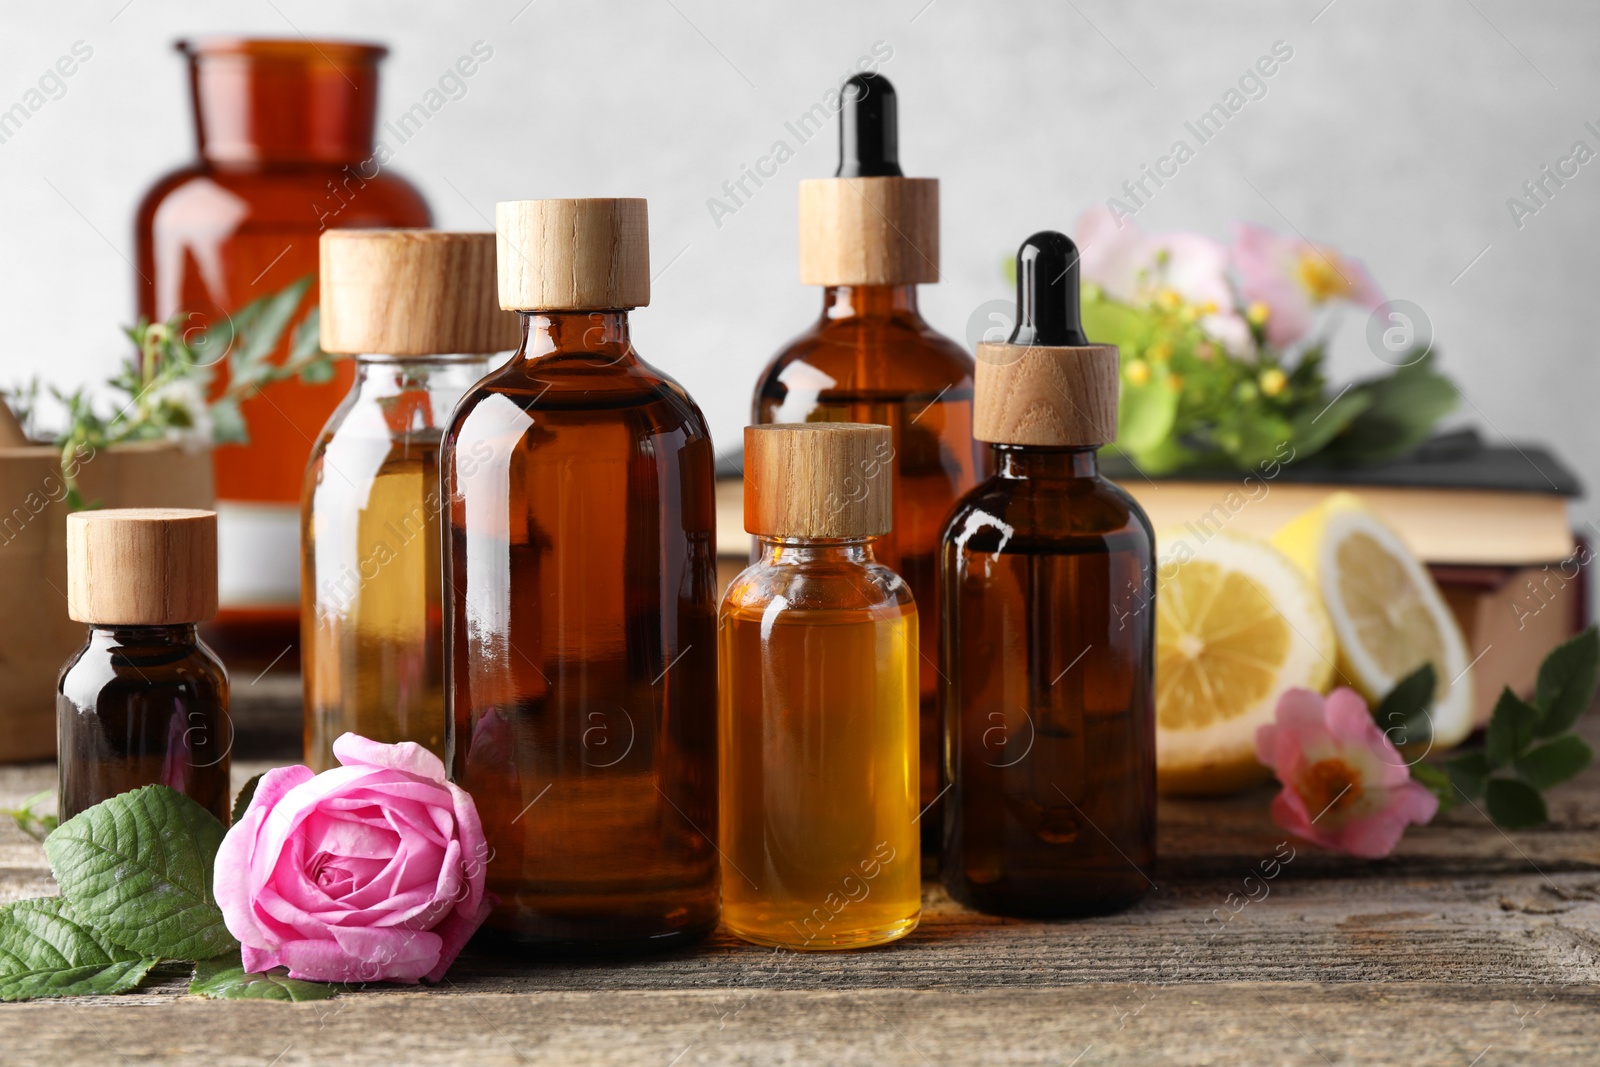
{"x": 580, "y": 563}
{"x": 1048, "y": 628}
{"x": 418, "y": 311}
{"x": 818, "y": 697}
{"x": 869, "y": 236}
{"x": 143, "y": 702}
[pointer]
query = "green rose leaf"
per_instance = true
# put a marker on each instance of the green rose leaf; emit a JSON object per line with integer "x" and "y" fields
{"x": 1511, "y": 728}
{"x": 1566, "y": 682}
{"x": 1553, "y": 763}
{"x": 1515, "y": 805}
{"x": 47, "y": 951}
{"x": 137, "y": 868}
{"x": 224, "y": 978}
{"x": 1469, "y": 772}
{"x": 1403, "y": 715}
{"x": 247, "y": 793}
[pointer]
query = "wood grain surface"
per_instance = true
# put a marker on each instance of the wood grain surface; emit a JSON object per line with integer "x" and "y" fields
{"x": 1468, "y": 946}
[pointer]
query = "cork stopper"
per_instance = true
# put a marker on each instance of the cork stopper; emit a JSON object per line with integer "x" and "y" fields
{"x": 818, "y": 479}
{"x": 142, "y": 566}
{"x": 412, "y": 293}
{"x": 1047, "y": 385}
{"x": 869, "y": 224}
{"x": 573, "y": 255}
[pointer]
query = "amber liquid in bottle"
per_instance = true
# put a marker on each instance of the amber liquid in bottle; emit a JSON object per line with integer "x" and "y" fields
{"x": 285, "y": 137}
{"x": 143, "y": 705}
{"x": 371, "y": 569}
{"x": 581, "y": 655}
{"x": 819, "y": 743}
{"x": 872, "y": 358}
{"x": 1049, "y": 640}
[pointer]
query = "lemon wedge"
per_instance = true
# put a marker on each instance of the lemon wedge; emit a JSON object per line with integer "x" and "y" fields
{"x": 1237, "y": 624}
{"x": 1388, "y": 614}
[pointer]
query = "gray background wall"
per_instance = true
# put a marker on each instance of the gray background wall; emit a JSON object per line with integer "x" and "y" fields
{"x": 1396, "y": 133}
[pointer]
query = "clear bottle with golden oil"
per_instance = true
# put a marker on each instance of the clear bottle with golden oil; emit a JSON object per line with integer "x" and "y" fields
{"x": 581, "y": 634}
{"x": 818, "y": 700}
{"x": 1048, "y": 637}
{"x": 417, "y": 309}
{"x": 869, "y": 236}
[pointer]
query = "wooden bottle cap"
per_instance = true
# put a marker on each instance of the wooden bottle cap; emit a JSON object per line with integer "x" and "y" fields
{"x": 818, "y": 479}
{"x": 573, "y": 255}
{"x": 1054, "y": 396}
{"x": 142, "y": 566}
{"x": 869, "y": 231}
{"x": 412, "y": 293}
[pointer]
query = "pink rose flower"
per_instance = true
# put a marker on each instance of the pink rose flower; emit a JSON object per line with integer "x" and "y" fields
{"x": 373, "y": 871}
{"x": 1293, "y": 278}
{"x": 1345, "y": 785}
{"x": 1132, "y": 266}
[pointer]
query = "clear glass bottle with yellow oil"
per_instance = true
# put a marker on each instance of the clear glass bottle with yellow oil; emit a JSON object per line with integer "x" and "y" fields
{"x": 818, "y": 700}
{"x": 418, "y": 311}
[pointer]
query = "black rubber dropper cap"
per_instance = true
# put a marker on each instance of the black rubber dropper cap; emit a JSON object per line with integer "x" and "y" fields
{"x": 869, "y": 135}
{"x": 1047, "y": 292}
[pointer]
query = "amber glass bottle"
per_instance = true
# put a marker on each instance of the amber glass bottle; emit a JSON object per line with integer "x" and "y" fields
{"x": 581, "y": 655}
{"x": 286, "y": 150}
{"x": 144, "y": 702}
{"x": 371, "y": 569}
{"x": 869, "y": 236}
{"x": 818, "y": 701}
{"x": 1048, "y": 631}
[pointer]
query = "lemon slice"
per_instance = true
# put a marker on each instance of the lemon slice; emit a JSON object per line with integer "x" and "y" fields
{"x": 1237, "y": 624}
{"x": 1387, "y": 612}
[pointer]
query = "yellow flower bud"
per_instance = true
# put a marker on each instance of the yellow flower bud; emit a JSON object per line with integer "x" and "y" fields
{"x": 1257, "y": 313}
{"x": 1168, "y": 300}
{"x": 1161, "y": 351}
{"x": 1137, "y": 372}
{"x": 1273, "y": 381}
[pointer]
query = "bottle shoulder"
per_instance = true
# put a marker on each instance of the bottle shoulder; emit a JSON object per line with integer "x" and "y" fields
{"x": 206, "y": 201}
{"x": 769, "y": 590}
{"x": 106, "y": 666}
{"x": 580, "y": 385}
{"x": 878, "y": 355}
{"x": 1048, "y": 515}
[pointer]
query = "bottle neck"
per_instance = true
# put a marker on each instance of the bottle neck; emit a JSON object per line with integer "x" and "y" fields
{"x": 600, "y": 334}
{"x": 177, "y": 635}
{"x": 794, "y": 551}
{"x": 1031, "y": 461}
{"x": 869, "y": 302}
{"x": 262, "y": 103}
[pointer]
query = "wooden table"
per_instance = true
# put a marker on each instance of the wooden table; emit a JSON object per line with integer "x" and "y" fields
{"x": 1468, "y": 946}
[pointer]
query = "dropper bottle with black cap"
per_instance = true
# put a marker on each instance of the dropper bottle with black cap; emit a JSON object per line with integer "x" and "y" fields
{"x": 869, "y": 236}
{"x": 1048, "y": 628}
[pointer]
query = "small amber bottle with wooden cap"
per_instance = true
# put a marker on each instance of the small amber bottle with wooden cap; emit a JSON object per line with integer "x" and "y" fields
{"x": 869, "y": 236}
{"x": 581, "y": 626}
{"x": 143, "y": 702}
{"x": 818, "y": 698}
{"x": 1048, "y": 628}
{"x": 418, "y": 310}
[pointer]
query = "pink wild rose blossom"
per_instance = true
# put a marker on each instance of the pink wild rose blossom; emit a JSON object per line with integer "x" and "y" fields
{"x": 372, "y": 871}
{"x": 1294, "y": 278}
{"x": 1345, "y": 785}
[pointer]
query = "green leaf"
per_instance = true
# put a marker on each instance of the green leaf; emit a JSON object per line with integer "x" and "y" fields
{"x": 47, "y": 951}
{"x": 1511, "y": 728}
{"x": 317, "y": 371}
{"x": 1403, "y": 715}
{"x": 1553, "y": 763}
{"x": 224, "y": 978}
{"x": 1515, "y": 805}
{"x": 307, "y": 341}
{"x": 1567, "y": 682}
{"x": 35, "y": 824}
{"x": 1313, "y": 429}
{"x": 1404, "y": 408}
{"x": 1469, "y": 772}
{"x": 247, "y": 793}
{"x": 1146, "y": 412}
{"x": 267, "y": 317}
{"x": 1436, "y": 780}
{"x": 138, "y": 867}
{"x": 227, "y": 423}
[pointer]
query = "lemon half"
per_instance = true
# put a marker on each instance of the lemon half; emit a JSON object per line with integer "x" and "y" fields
{"x": 1387, "y": 612}
{"x": 1237, "y": 625}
